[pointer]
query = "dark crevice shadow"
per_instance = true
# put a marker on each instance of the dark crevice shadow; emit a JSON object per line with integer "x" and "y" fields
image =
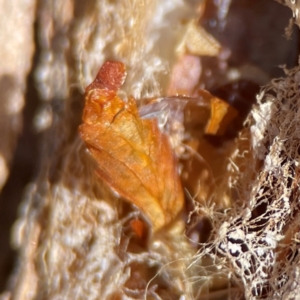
{"x": 22, "y": 171}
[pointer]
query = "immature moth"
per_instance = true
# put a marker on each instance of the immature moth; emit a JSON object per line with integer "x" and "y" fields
{"x": 134, "y": 157}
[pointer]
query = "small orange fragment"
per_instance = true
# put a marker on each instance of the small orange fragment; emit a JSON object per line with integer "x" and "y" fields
{"x": 221, "y": 114}
{"x": 139, "y": 228}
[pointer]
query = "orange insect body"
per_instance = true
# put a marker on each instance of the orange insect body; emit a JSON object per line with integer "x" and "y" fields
{"x": 134, "y": 157}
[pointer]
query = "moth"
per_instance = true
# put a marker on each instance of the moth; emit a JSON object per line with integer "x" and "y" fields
{"x": 134, "y": 156}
